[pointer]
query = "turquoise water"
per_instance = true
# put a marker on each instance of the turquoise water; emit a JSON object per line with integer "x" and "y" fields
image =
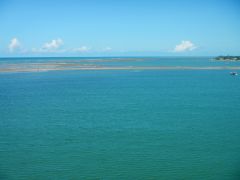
{"x": 127, "y": 124}
{"x": 128, "y": 61}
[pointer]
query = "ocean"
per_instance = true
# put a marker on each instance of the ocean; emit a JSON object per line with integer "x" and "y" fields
{"x": 120, "y": 124}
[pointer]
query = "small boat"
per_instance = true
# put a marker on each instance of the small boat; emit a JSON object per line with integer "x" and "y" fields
{"x": 233, "y": 73}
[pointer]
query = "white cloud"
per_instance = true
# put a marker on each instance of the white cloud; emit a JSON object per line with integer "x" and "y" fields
{"x": 53, "y": 45}
{"x": 82, "y": 49}
{"x": 185, "y": 46}
{"x": 14, "y": 44}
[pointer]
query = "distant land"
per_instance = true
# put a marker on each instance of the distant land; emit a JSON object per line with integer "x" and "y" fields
{"x": 228, "y": 58}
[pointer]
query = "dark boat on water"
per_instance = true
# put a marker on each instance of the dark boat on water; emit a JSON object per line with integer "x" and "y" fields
{"x": 233, "y": 73}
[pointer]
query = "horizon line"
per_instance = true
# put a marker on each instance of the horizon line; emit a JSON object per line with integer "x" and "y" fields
{"x": 5, "y": 57}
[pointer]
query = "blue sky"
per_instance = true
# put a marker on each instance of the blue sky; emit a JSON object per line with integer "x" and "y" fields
{"x": 119, "y": 28}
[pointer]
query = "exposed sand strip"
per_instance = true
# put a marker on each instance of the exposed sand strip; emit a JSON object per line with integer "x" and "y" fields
{"x": 40, "y": 67}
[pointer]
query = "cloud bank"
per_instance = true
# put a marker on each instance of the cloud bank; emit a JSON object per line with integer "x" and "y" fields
{"x": 55, "y": 46}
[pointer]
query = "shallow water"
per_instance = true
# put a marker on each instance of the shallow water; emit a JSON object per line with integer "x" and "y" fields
{"x": 120, "y": 125}
{"x": 127, "y": 61}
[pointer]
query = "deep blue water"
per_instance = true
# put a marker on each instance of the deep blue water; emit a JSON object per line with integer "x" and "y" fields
{"x": 171, "y": 124}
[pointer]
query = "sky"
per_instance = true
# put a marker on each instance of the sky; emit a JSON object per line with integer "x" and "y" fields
{"x": 119, "y": 28}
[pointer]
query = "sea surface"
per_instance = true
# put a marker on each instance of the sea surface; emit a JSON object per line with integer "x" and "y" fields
{"x": 120, "y": 124}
